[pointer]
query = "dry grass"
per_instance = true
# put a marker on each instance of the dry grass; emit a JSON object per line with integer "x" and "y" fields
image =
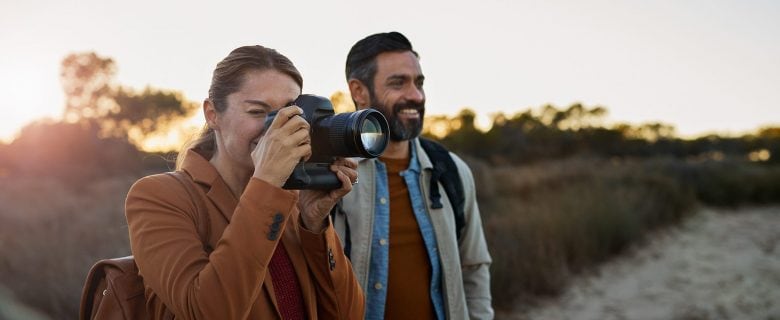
{"x": 543, "y": 222}
{"x": 548, "y": 221}
{"x": 52, "y": 232}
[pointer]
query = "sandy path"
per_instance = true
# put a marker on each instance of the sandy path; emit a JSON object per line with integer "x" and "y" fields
{"x": 718, "y": 265}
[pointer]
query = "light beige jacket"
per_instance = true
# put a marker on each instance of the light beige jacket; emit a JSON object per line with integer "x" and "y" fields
{"x": 465, "y": 265}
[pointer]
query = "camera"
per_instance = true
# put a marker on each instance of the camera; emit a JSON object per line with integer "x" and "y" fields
{"x": 363, "y": 133}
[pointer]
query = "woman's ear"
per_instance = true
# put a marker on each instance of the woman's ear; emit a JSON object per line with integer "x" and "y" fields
{"x": 210, "y": 113}
{"x": 360, "y": 94}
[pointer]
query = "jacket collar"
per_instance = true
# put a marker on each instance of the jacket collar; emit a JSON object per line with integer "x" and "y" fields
{"x": 422, "y": 157}
{"x": 206, "y": 175}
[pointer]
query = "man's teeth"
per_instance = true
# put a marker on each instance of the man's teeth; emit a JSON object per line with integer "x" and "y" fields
{"x": 408, "y": 111}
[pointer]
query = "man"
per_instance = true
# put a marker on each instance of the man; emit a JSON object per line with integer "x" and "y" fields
{"x": 405, "y": 251}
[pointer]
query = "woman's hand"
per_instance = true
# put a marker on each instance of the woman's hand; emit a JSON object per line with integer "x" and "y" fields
{"x": 315, "y": 205}
{"x": 283, "y": 145}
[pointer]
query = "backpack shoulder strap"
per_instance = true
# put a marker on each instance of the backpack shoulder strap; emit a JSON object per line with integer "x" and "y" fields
{"x": 445, "y": 172}
{"x": 113, "y": 289}
{"x": 203, "y": 222}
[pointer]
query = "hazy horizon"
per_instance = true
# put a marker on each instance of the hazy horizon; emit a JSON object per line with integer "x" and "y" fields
{"x": 700, "y": 66}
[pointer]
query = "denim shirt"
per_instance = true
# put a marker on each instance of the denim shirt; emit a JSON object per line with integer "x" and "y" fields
{"x": 376, "y": 294}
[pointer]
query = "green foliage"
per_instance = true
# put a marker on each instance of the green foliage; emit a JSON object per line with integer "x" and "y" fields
{"x": 732, "y": 183}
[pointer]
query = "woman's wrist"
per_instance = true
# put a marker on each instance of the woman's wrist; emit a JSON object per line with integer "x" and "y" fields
{"x": 270, "y": 179}
{"x": 314, "y": 225}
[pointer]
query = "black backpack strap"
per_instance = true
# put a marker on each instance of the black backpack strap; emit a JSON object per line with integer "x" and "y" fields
{"x": 445, "y": 172}
{"x": 204, "y": 221}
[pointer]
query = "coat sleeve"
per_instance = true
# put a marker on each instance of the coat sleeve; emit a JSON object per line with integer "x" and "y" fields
{"x": 474, "y": 256}
{"x": 339, "y": 295}
{"x": 170, "y": 254}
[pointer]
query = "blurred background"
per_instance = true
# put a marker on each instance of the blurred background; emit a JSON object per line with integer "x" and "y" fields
{"x": 626, "y": 154}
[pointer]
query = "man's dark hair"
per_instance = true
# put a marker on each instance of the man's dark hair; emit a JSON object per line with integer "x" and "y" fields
{"x": 361, "y": 60}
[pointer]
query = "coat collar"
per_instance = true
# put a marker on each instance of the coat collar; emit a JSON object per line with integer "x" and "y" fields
{"x": 206, "y": 175}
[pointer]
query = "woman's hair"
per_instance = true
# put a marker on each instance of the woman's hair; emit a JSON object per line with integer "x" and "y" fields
{"x": 227, "y": 78}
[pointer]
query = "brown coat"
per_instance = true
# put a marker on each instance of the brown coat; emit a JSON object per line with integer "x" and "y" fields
{"x": 231, "y": 282}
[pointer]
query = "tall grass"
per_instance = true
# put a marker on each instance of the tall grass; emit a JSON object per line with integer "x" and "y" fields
{"x": 548, "y": 221}
{"x": 52, "y": 232}
{"x": 543, "y": 222}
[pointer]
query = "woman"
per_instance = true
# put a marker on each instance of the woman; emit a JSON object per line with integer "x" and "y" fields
{"x": 271, "y": 253}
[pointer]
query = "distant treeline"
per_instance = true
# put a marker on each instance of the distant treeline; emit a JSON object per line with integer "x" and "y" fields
{"x": 553, "y": 133}
{"x": 82, "y": 150}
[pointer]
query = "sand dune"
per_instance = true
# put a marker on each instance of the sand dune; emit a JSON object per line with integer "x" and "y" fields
{"x": 720, "y": 264}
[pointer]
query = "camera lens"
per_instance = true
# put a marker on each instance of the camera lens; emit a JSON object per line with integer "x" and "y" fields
{"x": 361, "y": 133}
{"x": 371, "y": 135}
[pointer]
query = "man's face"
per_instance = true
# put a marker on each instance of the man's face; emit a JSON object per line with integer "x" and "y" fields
{"x": 398, "y": 93}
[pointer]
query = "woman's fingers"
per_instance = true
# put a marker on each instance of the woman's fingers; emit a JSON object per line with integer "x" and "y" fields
{"x": 346, "y": 166}
{"x": 284, "y": 144}
{"x": 346, "y": 186}
{"x": 289, "y": 120}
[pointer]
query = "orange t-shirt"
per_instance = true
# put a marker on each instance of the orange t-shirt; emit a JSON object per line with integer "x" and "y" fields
{"x": 409, "y": 279}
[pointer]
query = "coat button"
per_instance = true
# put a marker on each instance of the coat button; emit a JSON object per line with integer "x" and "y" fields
{"x": 275, "y": 227}
{"x": 378, "y": 286}
{"x": 331, "y": 260}
{"x": 278, "y": 217}
{"x": 272, "y": 235}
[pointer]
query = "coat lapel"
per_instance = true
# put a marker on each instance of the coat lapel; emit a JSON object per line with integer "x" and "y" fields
{"x": 222, "y": 198}
{"x": 203, "y": 173}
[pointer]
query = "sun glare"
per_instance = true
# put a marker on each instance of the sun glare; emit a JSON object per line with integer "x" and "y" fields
{"x": 29, "y": 93}
{"x": 174, "y": 139}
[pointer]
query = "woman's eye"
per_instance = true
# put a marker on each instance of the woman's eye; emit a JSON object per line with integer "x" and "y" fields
{"x": 257, "y": 112}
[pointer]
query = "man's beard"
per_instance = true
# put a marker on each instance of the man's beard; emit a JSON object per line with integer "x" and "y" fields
{"x": 400, "y": 130}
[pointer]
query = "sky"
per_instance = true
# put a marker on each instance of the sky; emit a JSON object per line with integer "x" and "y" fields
{"x": 702, "y": 66}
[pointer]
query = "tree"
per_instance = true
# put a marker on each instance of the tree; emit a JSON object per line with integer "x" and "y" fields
{"x": 91, "y": 95}
{"x": 87, "y": 80}
{"x": 139, "y": 114}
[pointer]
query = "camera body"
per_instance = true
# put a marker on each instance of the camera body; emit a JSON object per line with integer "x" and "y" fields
{"x": 363, "y": 133}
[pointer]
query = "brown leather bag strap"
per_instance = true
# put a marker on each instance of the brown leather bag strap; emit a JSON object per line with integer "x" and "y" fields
{"x": 204, "y": 221}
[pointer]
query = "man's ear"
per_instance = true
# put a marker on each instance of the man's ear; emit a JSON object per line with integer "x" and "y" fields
{"x": 210, "y": 113}
{"x": 360, "y": 94}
